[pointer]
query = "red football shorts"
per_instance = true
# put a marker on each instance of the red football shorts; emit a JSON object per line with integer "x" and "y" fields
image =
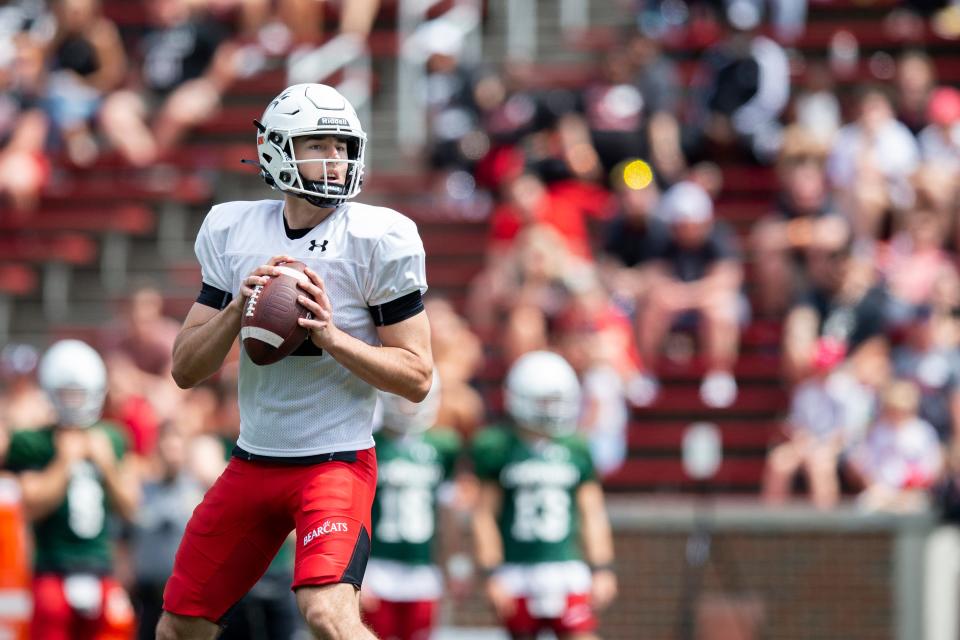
{"x": 402, "y": 620}
{"x": 576, "y": 618}
{"x": 106, "y": 614}
{"x": 247, "y": 514}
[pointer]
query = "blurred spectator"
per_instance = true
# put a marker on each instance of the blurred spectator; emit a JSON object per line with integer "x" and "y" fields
{"x": 74, "y": 477}
{"x": 873, "y": 157}
{"x": 940, "y": 140}
{"x": 452, "y": 113}
{"x": 829, "y": 413}
{"x": 128, "y": 405}
{"x": 777, "y": 240}
{"x": 457, "y": 358}
{"x": 632, "y": 240}
{"x": 168, "y": 501}
{"x": 597, "y": 339}
{"x": 696, "y": 278}
{"x": 86, "y": 61}
{"x": 185, "y": 65}
{"x": 930, "y": 359}
{"x": 741, "y": 87}
{"x": 658, "y": 80}
{"x": 816, "y": 108}
{"x": 520, "y": 292}
{"x": 901, "y": 456}
{"x": 24, "y": 168}
{"x": 23, "y": 404}
{"x": 912, "y": 263}
{"x": 842, "y": 307}
{"x": 527, "y": 202}
{"x": 916, "y": 78}
{"x": 145, "y": 335}
{"x": 616, "y": 112}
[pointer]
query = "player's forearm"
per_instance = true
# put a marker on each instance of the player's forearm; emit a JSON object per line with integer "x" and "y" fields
{"x": 487, "y": 543}
{"x": 486, "y": 533}
{"x": 392, "y": 369}
{"x": 595, "y": 526}
{"x": 199, "y": 351}
{"x": 44, "y": 491}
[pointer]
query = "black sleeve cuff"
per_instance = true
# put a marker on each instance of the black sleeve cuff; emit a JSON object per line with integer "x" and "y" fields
{"x": 213, "y": 297}
{"x": 397, "y": 310}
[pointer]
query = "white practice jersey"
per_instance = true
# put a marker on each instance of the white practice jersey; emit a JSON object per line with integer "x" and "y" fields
{"x": 367, "y": 256}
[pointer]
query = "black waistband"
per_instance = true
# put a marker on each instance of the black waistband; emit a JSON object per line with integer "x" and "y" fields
{"x": 333, "y": 456}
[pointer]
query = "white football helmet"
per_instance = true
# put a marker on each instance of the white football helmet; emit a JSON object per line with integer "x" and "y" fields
{"x": 542, "y": 394}
{"x": 75, "y": 378}
{"x": 403, "y": 416}
{"x": 310, "y": 110}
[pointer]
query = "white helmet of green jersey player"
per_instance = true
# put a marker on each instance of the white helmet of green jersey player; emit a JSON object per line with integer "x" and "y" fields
{"x": 402, "y": 416}
{"x": 73, "y": 375}
{"x": 543, "y": 394}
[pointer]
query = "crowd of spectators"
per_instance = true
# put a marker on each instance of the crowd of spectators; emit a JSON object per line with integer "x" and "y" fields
{"x": 76, "y": 87}
{"x": 613, "y": 241}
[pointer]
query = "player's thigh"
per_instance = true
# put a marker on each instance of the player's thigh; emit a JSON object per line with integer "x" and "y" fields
{"x": 230, "y": 540}
{"x": 333, "y": 522}
{"x": 331, "y": 610}
{"x": 176, "y": 627}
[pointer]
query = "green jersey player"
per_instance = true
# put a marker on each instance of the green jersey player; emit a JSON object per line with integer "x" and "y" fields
{"x": 539, "y": 504}
{"x": 73, "y": 475}
{"x": 403, "y": 584}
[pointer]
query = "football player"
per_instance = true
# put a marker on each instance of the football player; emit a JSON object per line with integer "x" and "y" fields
{"x": 73, "y": 476}
{"x": 304, "y": 458}
{"x": 403, "y": 583}
{"x": 538, "y": 499}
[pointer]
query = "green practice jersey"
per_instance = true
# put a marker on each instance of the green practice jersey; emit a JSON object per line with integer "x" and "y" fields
{"x": 539, "y": 518}
{"x": 409, "y": 471}
{"x": 73, "y": 537}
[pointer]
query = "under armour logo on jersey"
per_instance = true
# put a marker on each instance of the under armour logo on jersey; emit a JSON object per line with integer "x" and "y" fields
{"x": 322, "y": 245}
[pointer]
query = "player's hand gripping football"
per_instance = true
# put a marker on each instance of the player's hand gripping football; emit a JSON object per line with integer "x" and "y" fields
{"x": 259, "y": 276}
{"x": 322, "y": 330}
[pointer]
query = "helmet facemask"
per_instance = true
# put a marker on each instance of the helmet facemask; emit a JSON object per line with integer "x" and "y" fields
{"x": 553, "y": 415}
{"x": 281, "y": 168}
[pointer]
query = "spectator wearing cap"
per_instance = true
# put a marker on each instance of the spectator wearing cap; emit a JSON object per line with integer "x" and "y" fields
{"x": 940, "y": 140}
{"x": 901, "y": 457}
{"x": 697, "y": 275}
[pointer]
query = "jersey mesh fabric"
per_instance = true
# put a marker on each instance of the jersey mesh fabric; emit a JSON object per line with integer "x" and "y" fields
{"x": 306, "y": 404}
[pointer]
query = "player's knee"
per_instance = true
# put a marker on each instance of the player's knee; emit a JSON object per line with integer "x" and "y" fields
{"x": 330, "y": 619}
{"x": 174, "y": 627}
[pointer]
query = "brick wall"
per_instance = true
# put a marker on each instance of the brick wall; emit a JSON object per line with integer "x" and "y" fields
{"x": 828, "y": 581}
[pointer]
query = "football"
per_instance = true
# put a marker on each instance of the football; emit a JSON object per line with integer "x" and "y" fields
{"x": 269, "y": 328}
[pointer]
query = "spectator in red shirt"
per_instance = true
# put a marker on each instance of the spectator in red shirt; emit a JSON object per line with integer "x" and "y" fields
{"x": 529, "y": 202}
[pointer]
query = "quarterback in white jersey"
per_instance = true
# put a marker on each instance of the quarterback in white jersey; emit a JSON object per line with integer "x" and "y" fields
{"x": 305, "y": 458}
